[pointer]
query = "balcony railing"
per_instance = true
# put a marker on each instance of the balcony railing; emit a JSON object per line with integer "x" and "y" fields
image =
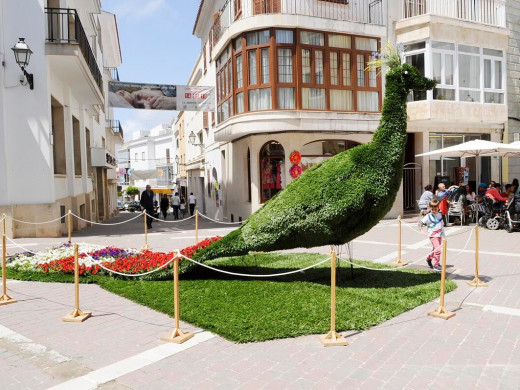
{"x": 115, "y": 126}
{"x": 361, "y": 11}
{"x": 114, "y": 74}
{"x": 64, "y": 26}
{"x": 491, "y": 12}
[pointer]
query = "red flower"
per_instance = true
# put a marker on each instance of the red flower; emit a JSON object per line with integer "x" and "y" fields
{"x": 295, "y": 171}
{"x": 295, "y": 157}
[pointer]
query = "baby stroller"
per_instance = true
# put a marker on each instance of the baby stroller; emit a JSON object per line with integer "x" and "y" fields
{"x": 494, "y": 214}
{"x": 512, "y": 215}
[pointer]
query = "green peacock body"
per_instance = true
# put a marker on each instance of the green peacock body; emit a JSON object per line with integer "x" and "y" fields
{"x": 339, "y": 199}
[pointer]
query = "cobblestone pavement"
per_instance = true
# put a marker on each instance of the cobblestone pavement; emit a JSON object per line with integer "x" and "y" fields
{"x": 120, "y": 347}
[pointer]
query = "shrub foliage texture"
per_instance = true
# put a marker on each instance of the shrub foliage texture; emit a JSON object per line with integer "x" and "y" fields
{"x": 339, "y": 199}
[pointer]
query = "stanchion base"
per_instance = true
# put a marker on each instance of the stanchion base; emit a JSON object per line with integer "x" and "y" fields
{"x": 332, "y": 339}
{"x": 443, "y": 313}
{"x": 398, "y": 263}
{"x": 6, "y": 300}
{"x": 177, "y": 336}
{"x": 477, "y": 283}
{"x": 146, "y": 247}
{"x": 76, "y": 316}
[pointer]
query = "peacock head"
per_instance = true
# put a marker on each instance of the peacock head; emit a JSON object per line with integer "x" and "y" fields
{"x": 414, "y": 80}
{"x": 408, "y": 78}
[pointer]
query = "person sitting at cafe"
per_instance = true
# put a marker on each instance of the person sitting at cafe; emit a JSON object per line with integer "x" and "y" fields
{"x": 482, "y": 188}
{"x": 493, "y": 193}
{"x": 426, "y": 196}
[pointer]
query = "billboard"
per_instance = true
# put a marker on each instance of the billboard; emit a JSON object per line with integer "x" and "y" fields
{"x": 160, "y": 96}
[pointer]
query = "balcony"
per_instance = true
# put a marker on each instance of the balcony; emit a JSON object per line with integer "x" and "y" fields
{"x": 116, "y": 128}
{"x": 65, "y": 34}
{"x": 489, "y": 12}
{"x": 360, "y": 11}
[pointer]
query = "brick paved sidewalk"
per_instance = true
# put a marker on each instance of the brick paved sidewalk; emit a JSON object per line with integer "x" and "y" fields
{"x": 478, "y": 348}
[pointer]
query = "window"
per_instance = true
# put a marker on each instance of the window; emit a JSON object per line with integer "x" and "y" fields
{"x": 224, "y": 85}
{"x": 417, "y": 59}
{"x": 267, "y": 66}
{"x": 142, "y": 156}
{"x": 443, "y": 62}
{"x": 259, "y": 73}
{"x": 237, "y": 4}
{"x": 136, "y": 158}
{"x": 493, "y": 76}
{"x": 480, "y": 76}
{"x": 272, "y": 157}
{"x": 469, "y": 73}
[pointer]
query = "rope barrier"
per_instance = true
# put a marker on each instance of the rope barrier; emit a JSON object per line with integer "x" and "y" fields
{"x": 254, "y": 275}
{"x": 21, "y": 247}
{"x": 217, "y": 221}
{"x": 174, "y": 221}
{"x": 107, "y": 224}
{"x": 391, "y": 269}
{"x": 35, "y": 223}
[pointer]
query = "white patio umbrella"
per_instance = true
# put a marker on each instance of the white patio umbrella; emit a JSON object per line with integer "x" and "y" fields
{"x": 475, "y": 148}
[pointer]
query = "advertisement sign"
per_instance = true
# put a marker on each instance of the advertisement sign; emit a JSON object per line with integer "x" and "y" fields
{"x": 160, "y": 96}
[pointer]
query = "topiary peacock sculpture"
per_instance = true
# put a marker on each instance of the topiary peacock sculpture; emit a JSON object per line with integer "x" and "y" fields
{"x": 339, "y": 199}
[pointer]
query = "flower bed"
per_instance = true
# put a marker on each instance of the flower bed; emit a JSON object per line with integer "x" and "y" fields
{"x": 129, "y": 261}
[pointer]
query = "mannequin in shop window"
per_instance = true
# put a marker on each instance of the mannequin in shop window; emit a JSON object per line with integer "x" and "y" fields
{"x": 271, "y": 174}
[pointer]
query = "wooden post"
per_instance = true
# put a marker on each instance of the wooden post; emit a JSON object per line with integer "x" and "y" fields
{"x": 69, "y": 226}
{"x": 333, "y": 338}
{"x": 176, "y": 335}
{"x": 5, "y": 299}
{"x": 76, "y": 315}
{"x": 476, "y": 282}
{"x": 196, "y": 227}
{"x": 399, "y": 261}
{"x": 146, "y": 246}
{"x": 4, "y": 230}
{"x": 442, "y": 312}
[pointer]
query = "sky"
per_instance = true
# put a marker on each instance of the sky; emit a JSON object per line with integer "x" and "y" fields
{"x": 157, "y": 46}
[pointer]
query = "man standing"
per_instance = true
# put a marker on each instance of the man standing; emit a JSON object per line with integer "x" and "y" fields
{"x": 192, "y": 200}
{"x": 176, "y": 204}
{"x": 147, "y": 203}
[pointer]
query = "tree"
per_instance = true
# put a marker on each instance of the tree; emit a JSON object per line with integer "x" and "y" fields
{"x": 132, "y": 191}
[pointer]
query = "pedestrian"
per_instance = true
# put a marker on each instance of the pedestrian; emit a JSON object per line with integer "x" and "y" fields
{"x": 192, "y": 201}
{"x": 165, "y": 205}
{"x": 176, "y": 202}
{"x": 147, "y": 203}
{"x": 426, "y": 196}
{"x": 182, "y": 208}
{"x": 435, "y": 231}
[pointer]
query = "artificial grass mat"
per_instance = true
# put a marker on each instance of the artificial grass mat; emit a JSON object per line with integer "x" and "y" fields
{"x": 248, "y": 310}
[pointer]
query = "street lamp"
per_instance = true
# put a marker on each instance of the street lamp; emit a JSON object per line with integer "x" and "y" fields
{"x": 177, "y": 160}
{"x": 22, "y": 54}
{"x": 192, "y": 137}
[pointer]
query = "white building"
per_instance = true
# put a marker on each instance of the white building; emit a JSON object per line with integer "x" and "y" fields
{"x": 149, "y": 159}
{"x": 290, "y": 76}
{"x": 57, "y": 140}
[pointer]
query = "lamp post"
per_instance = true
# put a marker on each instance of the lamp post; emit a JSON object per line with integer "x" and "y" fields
{"x": 22, "y": 54}
{"x": 192, "y": 138}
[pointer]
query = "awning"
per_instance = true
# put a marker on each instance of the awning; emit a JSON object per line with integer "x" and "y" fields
{"x": 162, "y": 191}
